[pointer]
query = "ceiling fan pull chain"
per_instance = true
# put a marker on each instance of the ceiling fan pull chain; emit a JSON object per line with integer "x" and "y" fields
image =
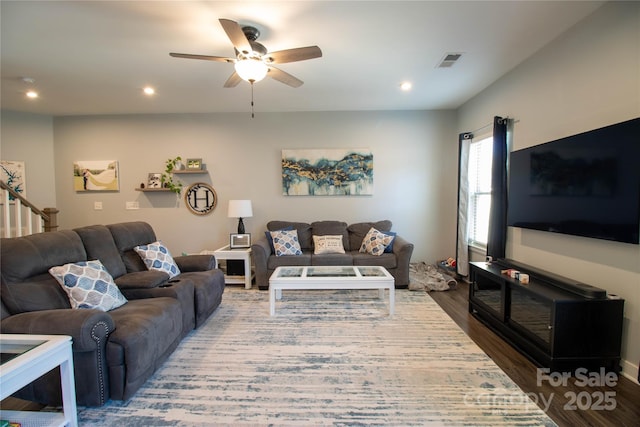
{"x": 252, "y": 115}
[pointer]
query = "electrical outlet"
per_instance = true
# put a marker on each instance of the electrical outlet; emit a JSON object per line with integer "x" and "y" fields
{"x": 97, "y": 206}
{"x": 132, "y": 205}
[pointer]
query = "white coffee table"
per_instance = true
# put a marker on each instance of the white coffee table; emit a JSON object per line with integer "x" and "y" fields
{"x": 26, "y": 358}
{"x": 330, "y": 277}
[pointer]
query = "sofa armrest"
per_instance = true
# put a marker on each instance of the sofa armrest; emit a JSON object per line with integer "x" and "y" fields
{"x": 260, "y": 252}
{"x": 403, "y": 251}
{"x": 89, "y": 329}
{"x": 141, "y": 280}
{"x": 188, "y": 263}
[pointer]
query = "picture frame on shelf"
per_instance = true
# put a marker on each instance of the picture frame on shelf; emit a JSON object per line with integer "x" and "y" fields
{"x": 154, "y": 180}
{"x": 194, "y": 164}
{"x": 240, "y": 241}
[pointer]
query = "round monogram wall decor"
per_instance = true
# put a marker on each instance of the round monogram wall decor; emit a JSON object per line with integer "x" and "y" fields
{"x": 200, "y": 198}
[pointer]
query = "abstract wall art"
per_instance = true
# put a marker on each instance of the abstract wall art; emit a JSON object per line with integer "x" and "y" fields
{"x": 327, "y": 172}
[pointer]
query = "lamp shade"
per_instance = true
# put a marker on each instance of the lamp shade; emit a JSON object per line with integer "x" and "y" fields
{"x": 251, "y": 69}
{"x": 240, "y": 209}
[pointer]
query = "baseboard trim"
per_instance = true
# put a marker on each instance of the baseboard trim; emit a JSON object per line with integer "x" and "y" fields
{"x": 629, "y": 371}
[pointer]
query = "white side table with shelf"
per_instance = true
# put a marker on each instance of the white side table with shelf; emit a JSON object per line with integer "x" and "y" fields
{"x": 226, "y": 253}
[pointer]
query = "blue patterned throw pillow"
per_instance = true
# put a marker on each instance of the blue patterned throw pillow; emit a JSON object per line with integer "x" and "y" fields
{"x": 375, "y": 242}
{"x": 285, "y": 242}
{"x": 157, "y": 257}
{"x": 88, "y": 284}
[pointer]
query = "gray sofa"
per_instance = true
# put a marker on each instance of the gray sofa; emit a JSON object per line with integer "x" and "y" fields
{"x": 114, "y": 352}
{"x": 396, "y": 262}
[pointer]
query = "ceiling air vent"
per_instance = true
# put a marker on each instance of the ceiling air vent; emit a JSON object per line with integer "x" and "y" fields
{"x": 448, "y": 60}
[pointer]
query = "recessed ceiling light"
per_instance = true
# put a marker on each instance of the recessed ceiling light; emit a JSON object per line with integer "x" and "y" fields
{"x": 32, "y": 94}
{"x": 149, "y": 90}
{"x": 406, "y": 86}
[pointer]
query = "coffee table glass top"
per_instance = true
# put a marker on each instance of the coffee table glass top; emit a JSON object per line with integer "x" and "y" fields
{"x": 10, "y": 350}
{"x": 330, "y": 271}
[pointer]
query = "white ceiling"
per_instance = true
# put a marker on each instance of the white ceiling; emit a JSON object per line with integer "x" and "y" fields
{"x": 94, "y": 57}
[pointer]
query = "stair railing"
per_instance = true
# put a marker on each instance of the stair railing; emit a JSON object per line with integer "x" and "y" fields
{"x": 20, "y": 217}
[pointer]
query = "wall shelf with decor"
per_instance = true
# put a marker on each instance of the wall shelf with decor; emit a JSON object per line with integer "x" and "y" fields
{"x": 186, "y": 171}
{"x": 154, "y": 190}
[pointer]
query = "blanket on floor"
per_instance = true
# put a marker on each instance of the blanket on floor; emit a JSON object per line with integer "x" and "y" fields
{"x": 426, "y": 277}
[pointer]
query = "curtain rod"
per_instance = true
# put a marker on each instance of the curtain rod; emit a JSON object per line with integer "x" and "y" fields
{"x": 491, "y": 124}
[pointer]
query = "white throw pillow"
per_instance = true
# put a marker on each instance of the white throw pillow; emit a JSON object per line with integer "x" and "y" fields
{"x": 157, "y": 257}
{"x": 374, "y": 242}
{"x": 285, "y": 242}
{"x": 88, "y": 284}
{"x": 327, "y": 245}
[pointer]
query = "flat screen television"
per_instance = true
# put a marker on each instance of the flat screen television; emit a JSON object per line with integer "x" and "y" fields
{"x": 583, "y": 185}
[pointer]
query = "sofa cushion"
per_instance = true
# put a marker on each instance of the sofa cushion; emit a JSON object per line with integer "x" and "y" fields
{"x": 147, "y": 330}
{"x": 99, "y": 244}
{"x": 328, "y": 245}
{"x": 358, "y": 230}
{"x": 323, "y": 228}
{"x": 389, "y": 247}
{"x": 267, "y": 234}
{"x": 289, "y": 260}
{"x": 142, "y": 279}
{"x": 375, "y": 242}
{"x": 37, "y": 293}
{"x": 128, "y": 235}
{"x": 286, "y": 242}
{"x": 88, "y": 284}
{"x": 26, "y": 282}
{"x": 386, "y": 260}
{"x": 303, "y": 229}
{"x": 332, "y": 259}
{"x": 156, "y": 256}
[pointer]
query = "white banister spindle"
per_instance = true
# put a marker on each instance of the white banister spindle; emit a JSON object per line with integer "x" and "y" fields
{"x": 6, "y": 217}
{"x": 30, "y": 219}
{"x": 17, "y": 212}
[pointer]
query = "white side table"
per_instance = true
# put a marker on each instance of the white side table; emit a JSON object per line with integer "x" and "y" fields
{"x": 225, "y": 253}
{"x": 28, "y": 358}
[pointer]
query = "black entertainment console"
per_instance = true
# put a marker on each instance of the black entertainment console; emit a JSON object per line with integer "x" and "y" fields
{"x": 556, "y": 322}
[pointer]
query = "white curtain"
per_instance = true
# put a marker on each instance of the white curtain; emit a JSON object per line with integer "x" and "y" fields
{"x": 462, "y": 247}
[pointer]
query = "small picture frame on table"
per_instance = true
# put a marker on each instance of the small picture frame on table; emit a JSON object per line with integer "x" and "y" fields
{"x": 194, "y": 164}
{"x": 240, "y": 241}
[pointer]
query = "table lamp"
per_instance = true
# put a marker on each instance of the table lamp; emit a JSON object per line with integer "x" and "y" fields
{"x": 240, "y": 209}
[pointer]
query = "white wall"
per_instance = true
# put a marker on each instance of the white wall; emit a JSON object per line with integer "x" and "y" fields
{"x": 21, "y": 136}
{"x": 586, "y": 79}
{"x": 414, "y": 172}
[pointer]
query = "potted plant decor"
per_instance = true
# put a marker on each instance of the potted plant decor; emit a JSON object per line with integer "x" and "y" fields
{"x": 167, "y": 176}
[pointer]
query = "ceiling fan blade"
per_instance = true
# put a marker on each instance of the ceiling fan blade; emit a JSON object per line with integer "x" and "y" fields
{"x": 284, "y": 77}
{"x": 205, "y": 57}
{"x": 293, "y": 55}
{"x": 236, "y": 35}
{"x": 233, "y": 80}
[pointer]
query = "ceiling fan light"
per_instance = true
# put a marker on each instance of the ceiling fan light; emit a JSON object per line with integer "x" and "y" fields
{"x": 251, "y": 70}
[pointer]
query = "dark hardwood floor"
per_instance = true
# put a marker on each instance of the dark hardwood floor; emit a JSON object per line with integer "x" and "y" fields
{"x": 565, "y": 401}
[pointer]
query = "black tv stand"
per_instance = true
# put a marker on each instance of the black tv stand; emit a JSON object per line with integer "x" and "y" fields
{"x": 556, "y": 322}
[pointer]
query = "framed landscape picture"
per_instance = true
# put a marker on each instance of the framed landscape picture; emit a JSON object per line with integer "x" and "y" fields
{"x": 95, "y": 175}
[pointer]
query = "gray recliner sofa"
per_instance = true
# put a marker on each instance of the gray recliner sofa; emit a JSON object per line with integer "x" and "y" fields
{"x": 395, "y": 262}
{"x": 114, "y": 352}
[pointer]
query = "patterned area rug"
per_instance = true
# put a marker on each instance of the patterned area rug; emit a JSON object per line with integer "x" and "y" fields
{"x": 325, "y": 358}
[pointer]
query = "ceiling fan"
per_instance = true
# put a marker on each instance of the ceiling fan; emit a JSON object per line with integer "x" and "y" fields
{"x": 253, "y": 62}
